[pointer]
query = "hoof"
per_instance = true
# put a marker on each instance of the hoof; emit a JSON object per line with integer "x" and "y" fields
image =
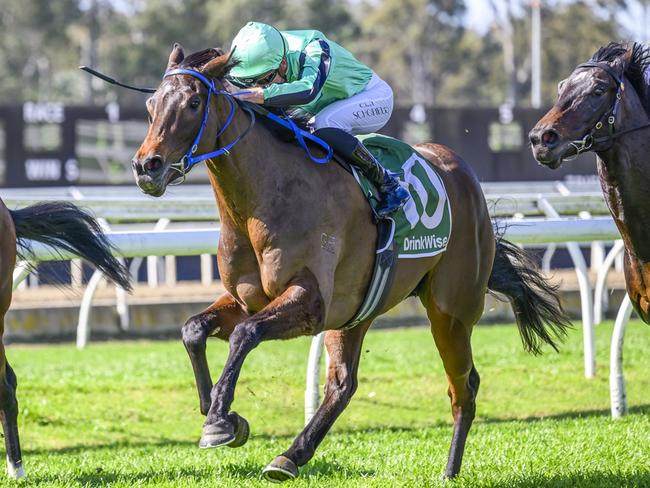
{"x": 242, "y": 430}
{"x": 15, "y": 471}
{"x": 216, "y": 435}
{"x": 232, "y": 432}
{"x": 449, "y": 476}
{"x": 281, "y": 469}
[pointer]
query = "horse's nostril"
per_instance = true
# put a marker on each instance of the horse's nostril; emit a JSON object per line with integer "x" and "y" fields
{"x": 152, "y": 164}
{"x": 550, "y": 138}
{"x": 534, "y": 138}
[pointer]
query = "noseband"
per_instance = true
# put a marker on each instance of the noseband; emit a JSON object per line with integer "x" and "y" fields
{"x": 592, "y": 139}
{"x": 185, "y": 164}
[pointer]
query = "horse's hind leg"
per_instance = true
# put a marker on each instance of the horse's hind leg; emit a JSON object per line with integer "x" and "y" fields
{"x": 452, "y": 338}
{"x": 344, "y": 349}
{"x": 9, "y": 416}
{"x": 219, "y": 319}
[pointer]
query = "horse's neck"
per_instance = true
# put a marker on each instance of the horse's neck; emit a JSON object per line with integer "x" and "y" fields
{"x": 247, "y": 181}
{"x": 235, "y": 188}
{"x": 625, "y": 177}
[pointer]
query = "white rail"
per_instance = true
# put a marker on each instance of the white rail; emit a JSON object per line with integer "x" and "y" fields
{"x": 589, "y": 341}
{"x": 617, "y": 392}
{"x": 129, "y": 244}
{"x": 130, "y": 207}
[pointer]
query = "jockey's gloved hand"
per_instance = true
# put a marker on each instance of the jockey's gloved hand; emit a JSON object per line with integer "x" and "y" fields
{"x": 229, "y": 87}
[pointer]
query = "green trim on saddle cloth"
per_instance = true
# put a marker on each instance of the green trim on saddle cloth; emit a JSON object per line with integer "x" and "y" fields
{"x": 423, "y": 225}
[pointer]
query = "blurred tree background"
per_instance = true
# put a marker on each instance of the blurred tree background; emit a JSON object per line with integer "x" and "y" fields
{"x": 425, "y": 49}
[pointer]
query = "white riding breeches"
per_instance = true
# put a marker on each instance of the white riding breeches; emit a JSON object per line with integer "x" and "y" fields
{"x": 363, "y": 113}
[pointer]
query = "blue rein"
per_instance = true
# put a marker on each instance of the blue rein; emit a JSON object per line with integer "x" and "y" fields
{"x": 190, "y": 159}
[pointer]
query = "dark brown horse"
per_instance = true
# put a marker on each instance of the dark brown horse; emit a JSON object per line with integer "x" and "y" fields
{"x": 281, "y": 282}
{"x": 61, "y": 226}
{"x": 604, "y": 106}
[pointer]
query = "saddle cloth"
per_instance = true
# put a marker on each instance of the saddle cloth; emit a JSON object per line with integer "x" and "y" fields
{"x": 423, "y": 225}
{"x": 420, "y": 229}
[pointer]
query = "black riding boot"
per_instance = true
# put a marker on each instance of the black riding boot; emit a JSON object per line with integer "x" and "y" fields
{"x": 393, "y": 196}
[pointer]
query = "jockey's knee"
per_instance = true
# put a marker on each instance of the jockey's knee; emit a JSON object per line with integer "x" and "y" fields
{"x": 319, "y": 123}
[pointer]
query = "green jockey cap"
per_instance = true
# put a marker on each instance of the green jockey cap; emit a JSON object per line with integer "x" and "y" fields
{"x": 259, "y": 48}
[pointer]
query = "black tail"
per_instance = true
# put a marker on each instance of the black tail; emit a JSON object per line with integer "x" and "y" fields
{"x": 65, "y": 226}
{"x": 536, "y": 303}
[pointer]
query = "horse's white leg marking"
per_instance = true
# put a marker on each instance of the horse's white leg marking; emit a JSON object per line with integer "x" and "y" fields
{"x": 15, "y": 472}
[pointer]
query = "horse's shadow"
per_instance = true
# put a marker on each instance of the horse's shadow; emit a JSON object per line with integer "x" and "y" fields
{"x": 317, "y": 468}
{"x": 81, "y": 448}
{"x": 637, "y": 409}
{"x": 326, "y": 469}
{"x": 103, "y": 478}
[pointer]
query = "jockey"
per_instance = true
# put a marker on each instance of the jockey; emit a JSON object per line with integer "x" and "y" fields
{"x": 318, "y": 78}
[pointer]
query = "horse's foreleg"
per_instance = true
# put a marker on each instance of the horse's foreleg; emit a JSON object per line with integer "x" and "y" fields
{"x": 297, "y": 312}
{"x": 344, "y": 349}
{"x": 219, "y": 319}
{"x": 9, "y": 417}
{"x": 453, "y": 341}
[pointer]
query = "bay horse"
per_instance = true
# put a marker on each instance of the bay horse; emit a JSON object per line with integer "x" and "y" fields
{"x": 59, "y": 225}
{"x": 282, "y": 281}
{"x": 604, "y": 107}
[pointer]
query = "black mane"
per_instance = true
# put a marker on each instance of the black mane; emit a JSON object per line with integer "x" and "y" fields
{"x": 639, "y": 63}
{"x": 635, "y": 69}
{"x": 199, "y": 59}
{"x": 609, "y": 53}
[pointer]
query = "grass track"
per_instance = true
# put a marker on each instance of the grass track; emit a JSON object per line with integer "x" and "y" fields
{"x": 126, "y": 414}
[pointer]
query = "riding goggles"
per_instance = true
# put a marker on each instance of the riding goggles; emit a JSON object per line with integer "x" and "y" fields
{"x": 261, "y": 80}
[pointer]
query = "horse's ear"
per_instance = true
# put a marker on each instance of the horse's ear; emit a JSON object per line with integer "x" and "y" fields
{"x": 217, "y": 67}
{"x": 176, "y": 57}
{"x": 628, "y": 56}
{"x": 624, "y": 61}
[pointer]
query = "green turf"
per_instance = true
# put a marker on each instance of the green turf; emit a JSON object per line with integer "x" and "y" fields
{"x": 126, "y": 414}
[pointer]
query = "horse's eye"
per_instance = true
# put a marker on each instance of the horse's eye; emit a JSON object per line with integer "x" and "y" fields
{"x": 599, "y": 92}
{"x": 194, "y": 103}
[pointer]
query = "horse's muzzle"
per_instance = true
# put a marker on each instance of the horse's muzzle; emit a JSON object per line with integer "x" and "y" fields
{"x": 150, "y": 174}
{"x": 547, "y": 146}
{"x": 548, "y": 138}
